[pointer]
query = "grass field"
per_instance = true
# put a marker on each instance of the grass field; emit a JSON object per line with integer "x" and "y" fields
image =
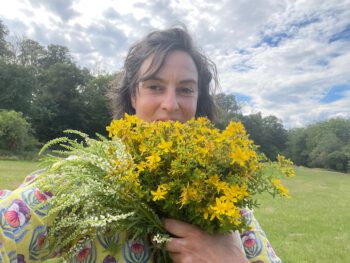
{"x": 312, "y": 226}
{"x": 12, "y": 173}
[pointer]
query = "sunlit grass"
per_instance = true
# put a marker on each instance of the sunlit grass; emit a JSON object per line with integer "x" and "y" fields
{"x": 12, "y": 173}
{"x": 312, "y": 226}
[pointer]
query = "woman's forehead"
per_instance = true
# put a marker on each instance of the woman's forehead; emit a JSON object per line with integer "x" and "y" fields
{"x": 175, "y": 62}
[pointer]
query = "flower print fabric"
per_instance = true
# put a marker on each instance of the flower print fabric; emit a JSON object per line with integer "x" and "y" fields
{"x": 255, "y": 244}
{"x": 17, "y": 214}
{"x": 23, "y": 232}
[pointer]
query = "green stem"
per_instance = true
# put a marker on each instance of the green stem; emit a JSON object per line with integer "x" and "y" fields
{"x": 149, "y": 216}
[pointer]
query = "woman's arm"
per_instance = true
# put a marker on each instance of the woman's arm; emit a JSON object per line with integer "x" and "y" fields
{"x": 22, "y": 228}
{"x": 256, "y": 245}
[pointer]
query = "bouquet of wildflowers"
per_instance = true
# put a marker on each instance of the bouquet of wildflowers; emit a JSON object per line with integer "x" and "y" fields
{"x": 148, "y": 171}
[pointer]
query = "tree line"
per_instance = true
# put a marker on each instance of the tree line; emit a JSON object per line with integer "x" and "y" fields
{"x": 52, "y": 92}
{"x": 43, "y": 92}
{"x": 324, "y": 144}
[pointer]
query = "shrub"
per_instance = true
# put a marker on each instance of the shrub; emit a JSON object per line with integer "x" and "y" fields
{"x": 15, "y": 133}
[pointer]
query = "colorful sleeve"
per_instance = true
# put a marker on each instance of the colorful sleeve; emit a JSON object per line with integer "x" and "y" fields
{"x": 255, "y": 243}
{"x": 23, "y": 226}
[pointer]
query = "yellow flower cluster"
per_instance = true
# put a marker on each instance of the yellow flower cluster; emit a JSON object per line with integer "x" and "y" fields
{"x": 193, "y": 171}
{"x": 283, "y": 190}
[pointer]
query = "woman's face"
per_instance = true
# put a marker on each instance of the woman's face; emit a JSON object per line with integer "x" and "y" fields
{"x": 172, "y": 93}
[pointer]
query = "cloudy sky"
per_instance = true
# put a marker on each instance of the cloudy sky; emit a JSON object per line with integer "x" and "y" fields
{"x": 281, "y": 57}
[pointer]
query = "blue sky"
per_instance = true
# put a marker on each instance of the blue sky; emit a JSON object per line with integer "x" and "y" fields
{"x": 335, "y": 93}
{"x": 281, "y": 57}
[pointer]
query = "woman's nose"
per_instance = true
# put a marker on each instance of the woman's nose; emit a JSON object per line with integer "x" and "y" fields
{"x": 170, "y": 102}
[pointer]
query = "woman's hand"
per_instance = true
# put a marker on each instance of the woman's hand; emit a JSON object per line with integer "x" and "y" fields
{"x": 193, "y": 245}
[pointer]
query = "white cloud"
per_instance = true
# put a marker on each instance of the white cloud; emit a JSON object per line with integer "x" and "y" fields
{"x": 278, "y": 53}
{"x": 290, "y": 79}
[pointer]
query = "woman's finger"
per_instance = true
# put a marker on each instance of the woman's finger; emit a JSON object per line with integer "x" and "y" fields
{"x": 175, "y": 245}
{"x": 175, "y": 257}
{"x": 179, "y": 228}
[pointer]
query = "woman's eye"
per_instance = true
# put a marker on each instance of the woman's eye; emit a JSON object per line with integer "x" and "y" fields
{"x": 186, "y": 90}
{"x": 154, "y": 88}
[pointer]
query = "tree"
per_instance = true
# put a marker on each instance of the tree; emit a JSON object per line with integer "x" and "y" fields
{"x": 339, "y": 160}
{"x": 296, "y": 146}
{"x": 51, "y": 91}
{"x": 228, "y": 109}
{"x": 17, "y": 85}
{"x": 58, "y": 105}
{"x": 267, "y": 132}
{"x": 30, "y": 53}
{"x": 328, "y": 141}
{"x": 325, "y": 144}
{"x": 96, "y": 104}
{"x": 55, "y": 54}
{"x": 4, "y": 50}
{"x": 319, "y": 155}
{"x": 15, "y": 132}
{"x": 228, "y": 103}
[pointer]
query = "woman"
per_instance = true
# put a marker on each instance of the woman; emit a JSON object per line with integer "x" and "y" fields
{"x": 165, "y": 78}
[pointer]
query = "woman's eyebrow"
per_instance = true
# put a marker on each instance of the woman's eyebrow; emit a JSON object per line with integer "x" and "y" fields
{"x": 155, "y": 78}
{"x": 188, "y": 81}
{"x": 146, "y": 78}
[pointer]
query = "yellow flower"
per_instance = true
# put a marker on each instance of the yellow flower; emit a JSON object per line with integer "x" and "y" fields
{"x": 153, "y": 161}
{"x": 235, "y": 193}
{"x": 280, "y": 158}
{"x": 141, "y": 166}
{"x": 235, "y": 216}
{"x": 234, "y": 128}
{"x": 282, "y": 189}
{"x": 132, "y": 177}
{"x": 132, "y": 119}
{"x": 200, "y": 138}
{"x": 204, "y": 151}
{"x": 276, "y": 182}
{"x": 190, "y": 193}
{"x": 286, "y": 165}
{"x": 206, "y": 214}
{"x": 213, "y": 180}
{"x": 218, "y": 209}
{"x": 238, "y": 156}
{"x": 204, "y": 130}
{"x": 202, "y": 120}
{"x": 165, "y": 146}
{"x": 160, "y": 193}
{"x": 142, "y": 149}
{"x": 290, "y": 172}
{"x": 113, "y": 128}
{"x": 220, "y": 185}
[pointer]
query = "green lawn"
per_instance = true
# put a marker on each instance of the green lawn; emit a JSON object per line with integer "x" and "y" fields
{"x": 312, "y": 226}
{"x": 12, "y": 173}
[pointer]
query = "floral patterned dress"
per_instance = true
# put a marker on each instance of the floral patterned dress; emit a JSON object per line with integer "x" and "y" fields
{"x": 23, "y": 232}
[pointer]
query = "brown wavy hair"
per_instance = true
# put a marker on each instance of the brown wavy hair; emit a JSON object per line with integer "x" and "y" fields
{"x": 158, "y": 44}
